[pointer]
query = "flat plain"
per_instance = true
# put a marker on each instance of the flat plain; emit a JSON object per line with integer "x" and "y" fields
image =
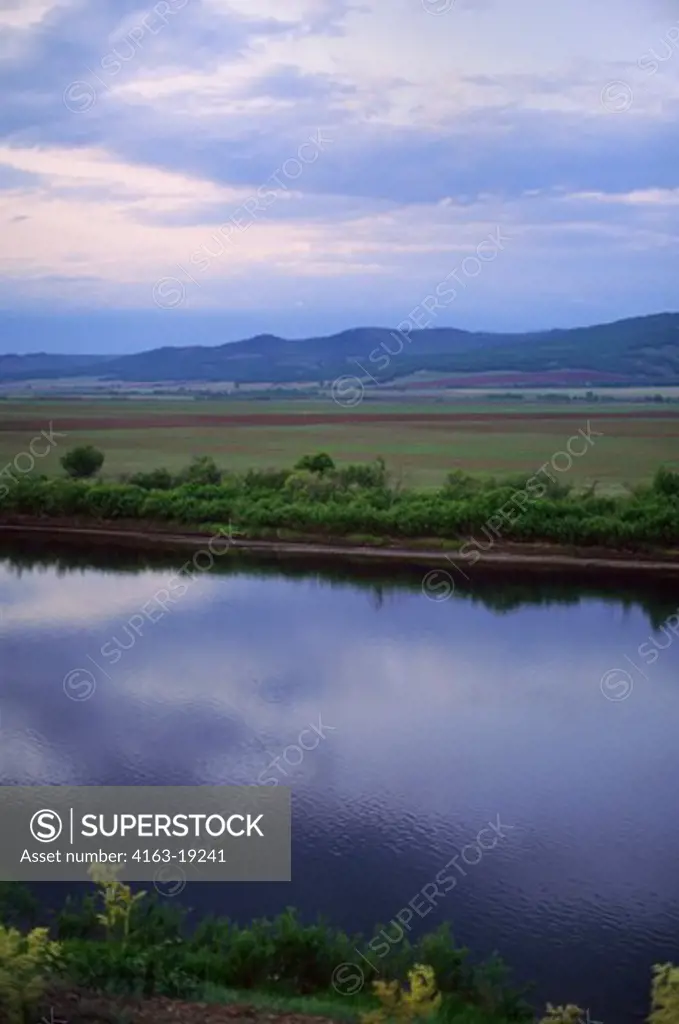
{"x": 420, "y": 441}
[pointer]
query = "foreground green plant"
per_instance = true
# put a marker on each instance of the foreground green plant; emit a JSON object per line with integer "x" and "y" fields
{"x": 25, "y": 964}
{"x": 118, "y": 900}
{"x": 665, "y": 995}
{"x": 419, "y": 999}
{"x": 155, "y": 954}
{"x": 320, "y": 500}
{"x": 139, "y": 946}
{"x": 570, "y": 1014}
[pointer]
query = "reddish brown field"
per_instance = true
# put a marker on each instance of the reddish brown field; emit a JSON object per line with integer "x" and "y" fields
{"x": 498, "y": 420}
{"x": 556, "y": 378}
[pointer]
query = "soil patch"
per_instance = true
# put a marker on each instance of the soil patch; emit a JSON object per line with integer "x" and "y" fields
{"x": 88, "y": 1008}
{"x": 190, "y": 421}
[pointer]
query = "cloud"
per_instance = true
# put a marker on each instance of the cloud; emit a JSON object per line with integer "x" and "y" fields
{"x": 72, "y": 602}
{"x": 129, "y": 136}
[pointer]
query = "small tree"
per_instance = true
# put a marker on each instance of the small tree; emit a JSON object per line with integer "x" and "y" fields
{"x": 319, "y": 463}
{"x": 202, "y": 470}
{"x": 118, "y": 901}
{"x": 82, "y": 462}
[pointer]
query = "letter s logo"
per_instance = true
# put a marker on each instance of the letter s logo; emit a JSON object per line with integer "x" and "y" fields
{"x": 46, "y": 826}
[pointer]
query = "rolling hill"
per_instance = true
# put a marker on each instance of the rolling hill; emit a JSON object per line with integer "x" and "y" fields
{"x": 637, "y": 351}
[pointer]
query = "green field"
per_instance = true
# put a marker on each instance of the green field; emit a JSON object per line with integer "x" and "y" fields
{"x": 421, "y": 442}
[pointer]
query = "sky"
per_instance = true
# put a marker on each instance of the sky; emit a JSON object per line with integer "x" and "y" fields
{"x": 214, "y": 169}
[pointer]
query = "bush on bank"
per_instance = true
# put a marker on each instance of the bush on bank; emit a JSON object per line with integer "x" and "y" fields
{"x": 25, "y": 964}
{"x": 363, "y": 499}
{"x": 120, "y": 943}
{"x": 280, "y": 955}
{"x": 115, "y": 942}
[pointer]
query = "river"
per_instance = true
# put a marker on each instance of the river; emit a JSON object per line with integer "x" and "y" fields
{"x": 428, "y": 714}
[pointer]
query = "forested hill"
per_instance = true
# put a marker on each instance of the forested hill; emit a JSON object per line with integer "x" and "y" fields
{"x": 642, "y": 350}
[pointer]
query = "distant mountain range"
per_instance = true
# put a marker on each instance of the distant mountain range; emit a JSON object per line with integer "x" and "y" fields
{"x": 638, "y": 351}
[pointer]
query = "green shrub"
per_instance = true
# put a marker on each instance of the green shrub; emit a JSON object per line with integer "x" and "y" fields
{"x": 133, "y": 968}
{"x": 319, "y": 463}
{"x": 78, "y": 919}
{"x": 263, "y": 480}
{"x": 25, "y": 964}
{"x": 664, "y": 995}
{"x": 666, "y": 482}
{"x": 157, "y": 480}
{"x": 461, "y": 485}
{"x": 365, "y": 475}
{"x": 18, "y": 905}
{"x": 154, "y": 954}
{"x": 317, "y": 499}
{"x": 449, "y": 962}
{"x": 419, "y": 999}
{"x": 202, "y": 470}
{"x": 82, "y": 462}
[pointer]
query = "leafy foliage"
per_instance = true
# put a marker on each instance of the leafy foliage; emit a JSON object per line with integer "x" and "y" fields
{"x": 157, "y": 480}
{"x": 25, "y": 962}
{"x": 419, "y": 999}
{"x": 665, "y": 482}
{"x": 202, "y": 470}
{"x": 118, "y": 901}
{"x": 153, "y": 954}
{"x": 82, "y": 462}
{"x": 570, "y": 1014}
{"x": 664, "y": 995}
{"x": 139, "y": 945}
{"x": 319, "y": 463}
{"x": 359, "y": 499}
{"x": 18, "y": 905}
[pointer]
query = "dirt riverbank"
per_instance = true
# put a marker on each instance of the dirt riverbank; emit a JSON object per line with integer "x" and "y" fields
{"x": 538, "y": 558}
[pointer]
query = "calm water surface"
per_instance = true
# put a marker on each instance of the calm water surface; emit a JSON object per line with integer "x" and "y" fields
{"x": 438, "y": 717}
